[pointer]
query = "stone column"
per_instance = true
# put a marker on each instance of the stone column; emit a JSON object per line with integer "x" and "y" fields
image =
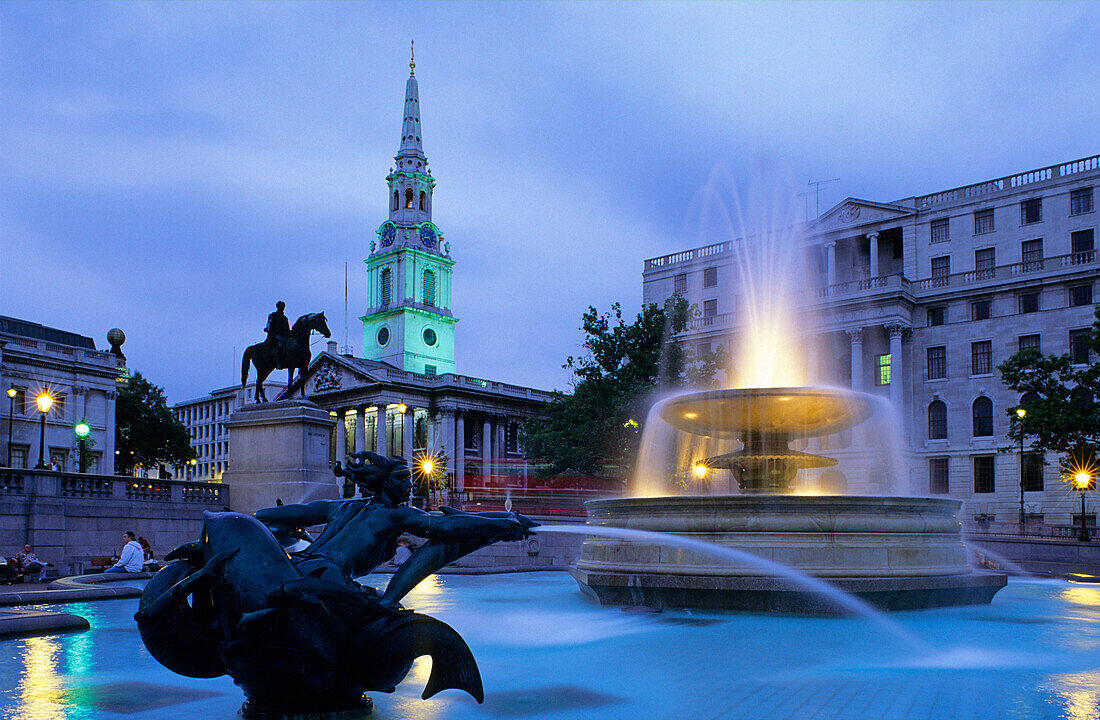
{"x": 897, "y": 376}
{"x": 855, "y": 335}
{"x": 830, "y": 262}
{"x": 380, "y": 432}
{"x": 487, "y": 447}
{"x": 873, "y": 237}
{"x": 447, "y": 442}
{"x": 407, "y": 435}
{"x": 360, "y": 429}
{"x": 460, "y": 451}
{"x": 108, "y": 459}
{"x": 341, "y": 437}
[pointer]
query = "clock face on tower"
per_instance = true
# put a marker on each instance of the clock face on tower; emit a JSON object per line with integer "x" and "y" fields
{"x": 427, "y": 236}
{"x": 389, "y": 232}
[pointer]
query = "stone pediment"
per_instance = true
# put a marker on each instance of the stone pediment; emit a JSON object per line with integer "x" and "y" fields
{"x": 853, "y": 212}
{"x": 332, "y": 373}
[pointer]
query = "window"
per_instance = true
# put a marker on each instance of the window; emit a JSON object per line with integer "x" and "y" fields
{"x": 937, "y": 476}
{"x": 937, "y": 420}
{"x": 710, "y": 277}
{"x": 1080, "y": 295}
{"x": 427, "y": 288}
{"x": 423, "y": 201}
{"x": 387, "y": 287}
{"x": 1080, "y": 201}
{"x": 983, "y": 221}
{"x": 1031, "y": 211}
{"x": 1029, "y": 302}
{"x": 1032, "y": 472}
{"x": 710, "y": 310}
{"x": 431, "y": 370}
{"x": 940, "y": 230}
{"x": 984, "y": 262}
{"x": 680, "y": 284}
{"x": 1029, "y": 342}
{"x": 1031, "y": 252}
{"x": 983, "y": 473}
{"x": 981, "y": 357}
{"x": 19, "y": 456}
{"x": 1078, "y": 349}
{"x": 1081, "y": 245}
{"x": 882, "y": 377}
{"x": 702, "y": 349}
{"x": 408, "y": 198}
{"x": 979, "y": 310}
{"x": 982, "y": 411}
{"x": 430, "y": 338}
{"x": 936, "y": 316}
{"x": 937, "y": 362}
{"x": 396, "y": 200}
{"x": 19, "y": 403}
{"x": 941, "y": 268}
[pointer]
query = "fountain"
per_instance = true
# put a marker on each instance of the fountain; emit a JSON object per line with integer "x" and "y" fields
{"x": 894, "y": 552}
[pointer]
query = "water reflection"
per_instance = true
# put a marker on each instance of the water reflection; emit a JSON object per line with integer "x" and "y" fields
{"x": 1080, "y": 692}
{"x": 40, "y": 689}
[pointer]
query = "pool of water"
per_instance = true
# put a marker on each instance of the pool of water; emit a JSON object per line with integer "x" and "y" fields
{"x": 546, "y": 652}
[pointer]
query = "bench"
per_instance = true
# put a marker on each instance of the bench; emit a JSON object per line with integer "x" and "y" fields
{"x": 99, "y": 564}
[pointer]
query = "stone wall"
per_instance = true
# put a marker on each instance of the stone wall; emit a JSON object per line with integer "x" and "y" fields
{"x": 542, "y": 551}
{"x": 1041, "y": 556}
{"x": 70, "y": 518}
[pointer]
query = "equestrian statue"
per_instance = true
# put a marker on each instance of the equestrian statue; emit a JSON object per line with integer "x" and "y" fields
{"x": 286, "y": 348}
{"x": 294, "y": 628}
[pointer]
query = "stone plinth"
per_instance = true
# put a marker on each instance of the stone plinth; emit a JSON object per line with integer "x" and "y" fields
{"x": 894, "y": 552}
{"x": 279, "y": 450}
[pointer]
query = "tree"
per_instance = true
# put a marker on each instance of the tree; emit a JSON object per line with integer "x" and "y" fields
{"x": 147, "y": 434}
{"x": 597, "y": 428}
{"x": 1061, "y": 399}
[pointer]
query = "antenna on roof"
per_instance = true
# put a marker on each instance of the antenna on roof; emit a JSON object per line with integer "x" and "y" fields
{"x": 346, "y": 350}
{"x": 816, "y": 185}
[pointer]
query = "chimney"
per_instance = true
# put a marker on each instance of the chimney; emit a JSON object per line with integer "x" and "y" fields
{"x": 332, "y": 347}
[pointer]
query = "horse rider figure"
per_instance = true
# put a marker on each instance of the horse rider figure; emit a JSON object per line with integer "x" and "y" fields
{"x": 278, "y": 330}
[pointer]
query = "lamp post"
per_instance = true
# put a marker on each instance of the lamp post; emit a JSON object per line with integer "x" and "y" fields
{"x": 12, "y": 392}
{"x": 45, "y": 401}
{"x": 1082, "y": 480}
{"x": 82, "y": 431}
{"x": 1021, "y": 413}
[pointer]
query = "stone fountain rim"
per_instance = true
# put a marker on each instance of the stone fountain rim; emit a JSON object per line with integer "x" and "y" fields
{"x": 793, "y": 502}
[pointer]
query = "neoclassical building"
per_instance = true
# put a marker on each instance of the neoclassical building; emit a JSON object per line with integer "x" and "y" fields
{"x": 918, "y": 300}
{"x": 404, "y": 395}
{"x": 84, "y": 383}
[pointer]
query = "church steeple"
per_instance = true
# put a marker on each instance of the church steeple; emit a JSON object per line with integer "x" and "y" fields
{"x": 408, "y": 322}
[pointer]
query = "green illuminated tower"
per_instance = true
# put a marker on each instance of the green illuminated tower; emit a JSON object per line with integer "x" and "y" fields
{"x": 408, "y": 322}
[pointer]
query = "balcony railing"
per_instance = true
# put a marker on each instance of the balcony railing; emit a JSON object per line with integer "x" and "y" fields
{"x": 1008, "y": 272}
{"x": 46, "y": 483}
{"x": 1010, "y": 181}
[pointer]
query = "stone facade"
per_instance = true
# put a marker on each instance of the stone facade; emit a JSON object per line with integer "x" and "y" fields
{"x": 918, "y": 300}
{"x": 83, "y": 381}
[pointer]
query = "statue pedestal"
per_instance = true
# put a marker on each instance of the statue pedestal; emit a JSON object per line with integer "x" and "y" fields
{"x": 279, "y": 450}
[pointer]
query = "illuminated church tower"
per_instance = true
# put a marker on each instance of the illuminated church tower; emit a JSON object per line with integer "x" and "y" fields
{"x": 408, "y": 322}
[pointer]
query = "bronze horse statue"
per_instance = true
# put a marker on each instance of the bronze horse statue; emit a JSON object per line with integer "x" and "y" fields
{"x": 295, "y": 354}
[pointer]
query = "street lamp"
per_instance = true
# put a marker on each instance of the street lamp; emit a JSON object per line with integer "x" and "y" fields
{"x": 1081, "y": 481}
{"x": 1021, "y": 413}
{"x": 45, "y": 401}
{"x": 82, "y": 431}
{"x": 12, "y": 392}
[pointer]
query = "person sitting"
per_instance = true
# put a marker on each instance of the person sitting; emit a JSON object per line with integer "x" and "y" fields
{"x": 8, "y": 574}
{"x": 27, "y": 563}
{"x": 149, "y": 563}
{"x": 133, "y": 557}
{"x": 403, "y": 551}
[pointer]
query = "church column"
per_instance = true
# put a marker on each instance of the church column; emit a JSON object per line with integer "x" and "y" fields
{"x": 830, "y": 262}
{"x": 407, "y": 434}
{"x": 380, "y": 432}
{"x": 897, "y": 375}
{"x": 460, "y": 451}
{"x": 107, "y": 464}
{"x": 487, "y": 447}
{"x": 873, "y": 237}
{"x": 341, "y": 436}
{"x": 855, "y": 335}
{"x": 360, "y": 429}
{"x": 446, "y": 440}
{"x": 500, "y": 425}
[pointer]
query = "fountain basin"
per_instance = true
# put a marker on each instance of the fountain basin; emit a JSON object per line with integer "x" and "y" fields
{"x": 896, "y": 553}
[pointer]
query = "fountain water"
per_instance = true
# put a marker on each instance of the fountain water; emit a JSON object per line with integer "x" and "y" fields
{"x": 776, "y": 439}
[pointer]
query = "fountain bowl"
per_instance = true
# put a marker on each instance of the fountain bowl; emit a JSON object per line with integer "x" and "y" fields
{"x": 894, "y": 553}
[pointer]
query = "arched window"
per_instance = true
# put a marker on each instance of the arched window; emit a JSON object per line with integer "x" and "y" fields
{"x": 983, "y": 417}
{"x": 423, "y": 201}
{"x": 409, "y": 198}
{"x": 427, "y": 288}
{"x": 937, "y": 420}
{"x": 396, "y": 200}
{"x": 387, "y": 287}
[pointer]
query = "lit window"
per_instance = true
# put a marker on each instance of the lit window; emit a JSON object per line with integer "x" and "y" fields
{"x": 883, "y": 376}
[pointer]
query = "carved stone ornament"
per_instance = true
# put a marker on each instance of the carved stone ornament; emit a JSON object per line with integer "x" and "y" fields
{"x": 327, "y": 378}
{"x": 849, "y": 213}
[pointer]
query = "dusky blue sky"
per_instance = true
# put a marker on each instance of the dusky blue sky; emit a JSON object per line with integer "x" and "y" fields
{"x": 174, "y": 168}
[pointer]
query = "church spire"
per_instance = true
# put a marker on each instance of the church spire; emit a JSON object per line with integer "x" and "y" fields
{"x": 411, "y": 147}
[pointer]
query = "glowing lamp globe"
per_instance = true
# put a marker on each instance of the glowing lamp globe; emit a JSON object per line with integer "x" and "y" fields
{"x": 45, "y": 402}
{"x": 82, "y": 429}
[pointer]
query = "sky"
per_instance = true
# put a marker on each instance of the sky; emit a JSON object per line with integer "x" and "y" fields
{"x": 174, "y": 168}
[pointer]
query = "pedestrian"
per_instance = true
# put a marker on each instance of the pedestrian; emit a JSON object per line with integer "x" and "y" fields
{"x": 403, "y": 551}
{"x": 27, "y": 562}
{"x": 133, "y": 557}
{"x": 53, "y": 464}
